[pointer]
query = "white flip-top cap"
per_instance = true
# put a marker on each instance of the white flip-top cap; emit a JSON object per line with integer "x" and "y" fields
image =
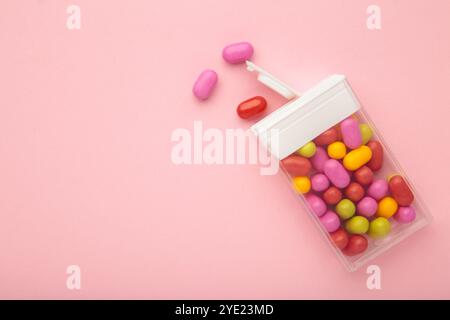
{"x": 304, "y": 117}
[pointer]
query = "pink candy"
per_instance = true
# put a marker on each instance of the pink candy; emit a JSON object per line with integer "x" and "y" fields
{"x": 367, "y": 207}
{"x": 320, "y": 182}
{"x": 405, "y": 214}
{"x": 319, "y": 159}
{"x": 336, "y": 173}
{"x": 330, "y": 221}
{"x": 351, "y": 134}
{"x": 237, "y": 52}
{"x": 316, "y": 203}
{"x": 205, "y": 84}
{"x": 378, "y": 189}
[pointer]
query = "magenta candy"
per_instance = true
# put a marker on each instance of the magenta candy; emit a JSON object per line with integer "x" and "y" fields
{"x": 405, "y": 214}
{"x": 378, "y": 189}
{"x": 319, "y": 159}
{"x": 237, "y": 52}
{"x": 319, "y": 182}
{"x": 317, "y": 204}
{"x": 351, "y": 133}
{"x": 205, "y": 84}
{"x": 367, "y": 207}
{"x": 336, "y": 173}
{"x": 330, "y": 221}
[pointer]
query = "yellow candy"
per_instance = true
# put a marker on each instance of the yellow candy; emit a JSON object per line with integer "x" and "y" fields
{"x": 387, "y": 207}
{"x": 308, "y": 150}
{"x": 301, "y": 184}
{"x": 355, "y": 159}
{"x": 357, "y": 225}
{"x": 337, "y": 150}
{"x": 379, "y": 227}
{"x": 366, "y": 132}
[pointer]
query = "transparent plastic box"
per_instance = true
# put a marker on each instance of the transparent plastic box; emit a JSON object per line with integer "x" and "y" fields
{"x": 378, "y": 206}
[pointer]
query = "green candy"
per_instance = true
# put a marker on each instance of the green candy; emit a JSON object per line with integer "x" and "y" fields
{"x": 345, "y": 209}
{"x": 357, "y": 225}
{"x": 379, "y": 227}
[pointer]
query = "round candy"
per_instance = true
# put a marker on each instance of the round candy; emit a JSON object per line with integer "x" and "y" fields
{"x": 296, "y": 165}
{"x": 378, "y": 189}
{"x": 251, "y": 107}
{"x": 345, "y": 209}
{"x": 327, "y": 137}
{"x": 356, "y": 244}
{"x": 308, "y": 150}
{"x": 204, "y": 85}
{"x": 387, "y": 207}
{"x": 301, "y": 184}
{"x": 237, "y": 52}
{"x": 351, "y": 133}
{"x": 317, "y": 205}
{"x": 340, "y": 238}
{"x": 367, "y": 207}
{"x": 356, "y": 158}
{"x": 364, "y": 176}
{"x": 400, "y": 191}
{"x": 405, "y": 214}
{"x": 319, "y": 158}
{"x": 357, "y": 225}
{"x": 319, "y": 182}
{"x": 379, "y": 227}
{"x": 330, "y": 221}
{"x": 366, "y": 132}
{"x": 354, "y": 191}
{"x": 377, "y": 155}
{"x": 336, "y": 173}
{"x": 337, "y": 150}
{"x": 332, "y": 195}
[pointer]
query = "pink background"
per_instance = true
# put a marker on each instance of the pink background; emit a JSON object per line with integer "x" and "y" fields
{"x": 86, "y": 119}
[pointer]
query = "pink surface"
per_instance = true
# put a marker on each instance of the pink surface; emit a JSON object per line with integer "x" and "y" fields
{"x": 86, "y": 118}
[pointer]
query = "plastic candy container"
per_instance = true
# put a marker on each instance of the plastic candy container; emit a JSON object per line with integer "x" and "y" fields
{"x": 340, "y": 167}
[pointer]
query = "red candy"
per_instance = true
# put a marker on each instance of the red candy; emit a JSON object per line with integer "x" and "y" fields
{"x": 329, "y": 136}
{"x": 296, "y": 165}
{"x": 354, "y": 192}
{"x": 340, "y": 238}
{"x": 364, "y": 176}
{"x": 332, "y": 195}
{"x": 376, "y": 162}
{"x": 356, "y": 244}
{"x": 400, "y": 191}
{"x": 251, "y": 107}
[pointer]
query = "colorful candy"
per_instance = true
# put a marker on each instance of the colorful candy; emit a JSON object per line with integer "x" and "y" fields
{"x": 320, "y": 182}
{"x": 296, "y": 165}
{"x": 205, "y": 83}
{"x": 316, "y": 203}
{"x": 367, "y": 207}
{"x": 357, "y": 225}
{"x": 327, "y": 137}
{"x": 378, "y": 189}
{"x": 319, "y": 158}
{"x": 337, "y": 150}
{"x": 336, "y": 173}
{"x": 364, "y": 176}
{"x": 332, "y": 195}
{"x": 366, "y": 132}
{"x": 340, "y": 238}
{"x": 379, "y": 227}
{"x": 330, "y": 221}
{"x": 387, "y": 207}
{"x": 345, "y": 209}
{"x": 356, "y": 158}
{"x": 354, "y": 191}
{"x": 237, "y": 52}
{"x": 351, "y": 134}
{"x": 400, "y": 191}
{"x": 356, "y": 244}
{"x": 308, "y": 150}
{"x": 405, "y": 214}
{"x": 376, "y": 162}
{"x": 251, "y": 107}
{"x": 301, "y": 184}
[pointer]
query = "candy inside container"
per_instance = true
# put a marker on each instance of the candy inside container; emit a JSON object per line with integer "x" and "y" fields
{"x": 341, "y": 168}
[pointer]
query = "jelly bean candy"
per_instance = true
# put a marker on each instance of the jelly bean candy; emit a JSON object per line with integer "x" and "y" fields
{"x": 204, "y": 85}
{"x": 296, "y": 165}
{"x": 317, "y": 205}
{"x": 340, "y": 238}
{"x": 367, "y": 207}
{"x": 336, "y": 173}
{"x": 237, "y": 52}
{"x": 320, "y": 182}
{"x": 356, "y": 244}
{"x": 301, "y": 184}
{"x": 405, "y": 214}
{"x": 330, "y": 221}
{"x": 308, "y": 150}
{"x": 378, "y": 189}
{"x": 364, "y": 176}
{"x": 345, "y": 209}
{"x": 377, "y": 155}
{"x": 400, "y": 191}
{"x": 337, "y": 150}
{"x": 332, "y": 195}
{"x": 319, "y": 158}
{"x": 327, "y": 137}
{"x": 354, "y": 191}
{"x": 251, "y": 107}
{"x": 387, "y": 207}
{"x": 366, "y": 132}
{"x": 356, "y": 158}
{"x": 351, "y": 134}
{"x": 379, "y": 227}
{"x": 357, "y": 225}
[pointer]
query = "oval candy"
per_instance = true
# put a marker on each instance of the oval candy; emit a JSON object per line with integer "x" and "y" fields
{"x": 316, "y": 203}
{"x": 351, "y": 134}
{"x": 319, "y": 158}
{"x": 400, "y": 191}
{"x": 377, "y": 155}
{"x": 356, "y": 158}
{"x": 327, "y": 137}
{"x": 205, "y": 83}
{"x": 237, "y": 52}
{"x": 296, "y": 165}
{"x": 336, "y": 173}
{"x": 356, "y": 244}
{"x": 251, "y": 107}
